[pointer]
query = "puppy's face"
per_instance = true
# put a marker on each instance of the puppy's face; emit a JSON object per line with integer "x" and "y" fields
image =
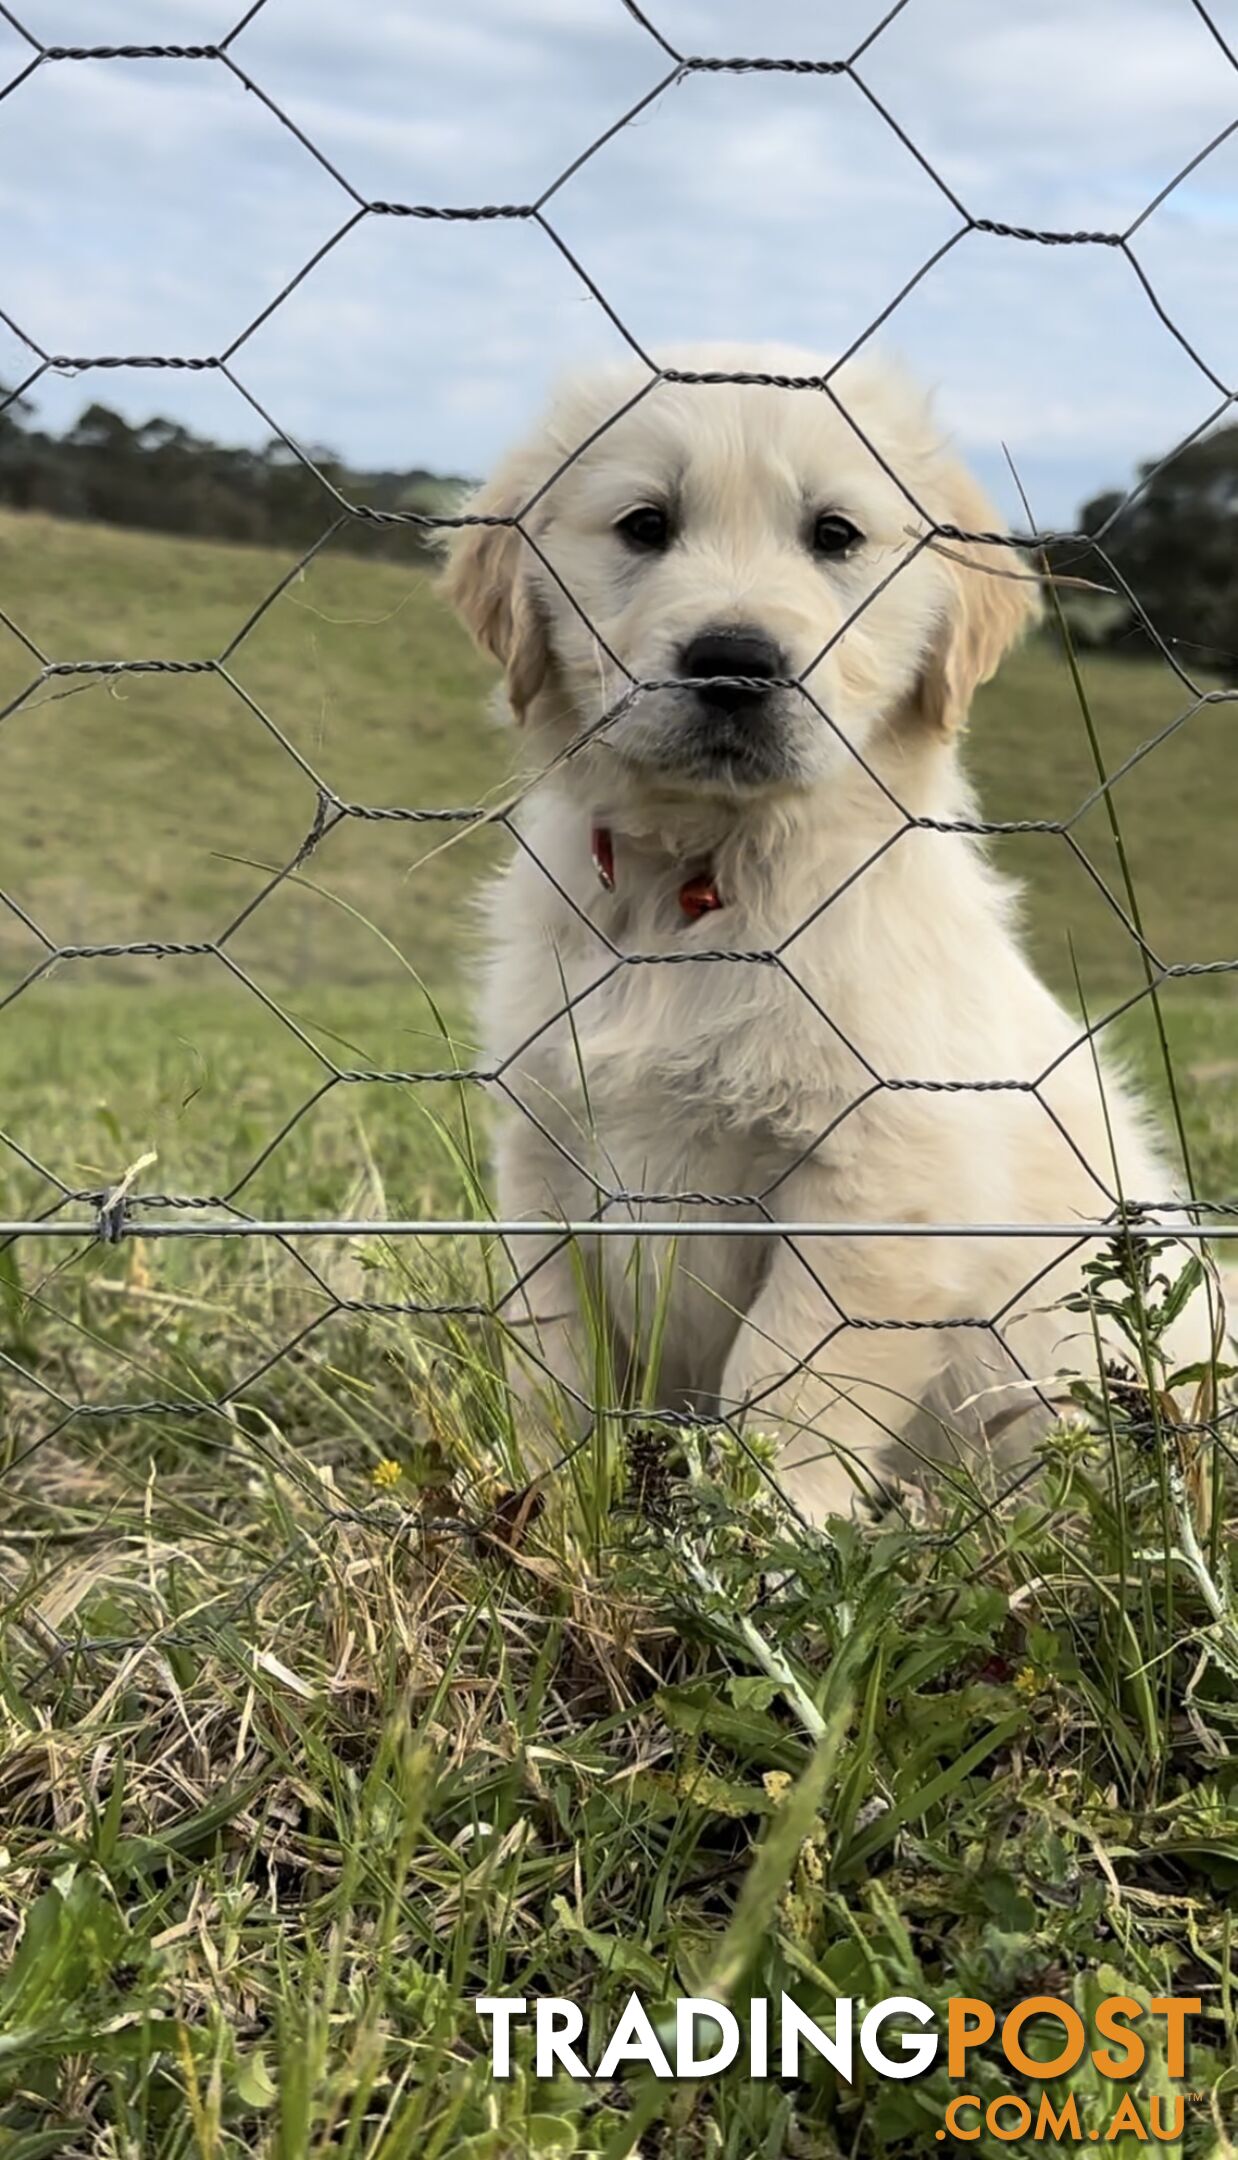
{"x": 743, "y": 556}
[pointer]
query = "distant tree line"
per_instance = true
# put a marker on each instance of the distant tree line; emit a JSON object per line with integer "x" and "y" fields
{"x": 160, "y": 477}
{"x": 1176, "y": 546}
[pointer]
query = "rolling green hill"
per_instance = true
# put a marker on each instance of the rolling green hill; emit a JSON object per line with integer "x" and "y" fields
{"x": 153, "y": 807}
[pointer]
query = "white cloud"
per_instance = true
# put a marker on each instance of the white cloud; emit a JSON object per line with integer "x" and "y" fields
{"x": 175, "y": 207}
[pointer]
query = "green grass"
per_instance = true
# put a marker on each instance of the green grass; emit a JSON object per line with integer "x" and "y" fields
{"x": 125, "y": 800}
{"x": 128, "y": 800}
{"x": 137, "y": 808}
{"x": 356, "y": 1751}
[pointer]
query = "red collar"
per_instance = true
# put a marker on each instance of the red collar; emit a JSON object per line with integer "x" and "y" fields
{"x": 698, "y": 895}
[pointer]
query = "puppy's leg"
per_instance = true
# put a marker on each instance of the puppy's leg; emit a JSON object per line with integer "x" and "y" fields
{"x": 552, "y": 1304}
{"x": 841, "y": 1400}
{"x": 837, "y": 1409}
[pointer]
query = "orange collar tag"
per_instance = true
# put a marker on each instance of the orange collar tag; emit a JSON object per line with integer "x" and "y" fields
{"x": 699, "y": 896}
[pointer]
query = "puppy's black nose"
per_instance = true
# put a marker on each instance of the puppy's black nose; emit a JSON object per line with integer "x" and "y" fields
{"x": 725, "y": 652}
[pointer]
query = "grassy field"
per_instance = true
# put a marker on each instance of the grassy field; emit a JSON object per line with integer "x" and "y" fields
{"x": 146, "y": 807}
{"x": 307, "y": 1736}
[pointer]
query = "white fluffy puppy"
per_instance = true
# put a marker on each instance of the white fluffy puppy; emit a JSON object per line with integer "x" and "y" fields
{"x": 723, "y": 543}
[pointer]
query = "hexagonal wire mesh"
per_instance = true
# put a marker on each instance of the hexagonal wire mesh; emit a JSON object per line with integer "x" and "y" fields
{"x": 123, "y": 1211}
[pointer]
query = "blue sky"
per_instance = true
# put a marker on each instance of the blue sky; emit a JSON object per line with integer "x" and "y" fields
{"x": 156, "y": 206}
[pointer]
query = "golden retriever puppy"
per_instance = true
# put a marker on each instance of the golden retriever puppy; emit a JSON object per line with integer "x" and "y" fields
{"x": 748, "y": 964}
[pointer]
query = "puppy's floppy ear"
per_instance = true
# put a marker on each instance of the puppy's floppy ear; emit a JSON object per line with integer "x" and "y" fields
{"x": 988, "y": 610}
{"x": 487, "y": 581}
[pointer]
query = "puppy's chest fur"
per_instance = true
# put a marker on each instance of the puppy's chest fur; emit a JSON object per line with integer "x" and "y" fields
{"x": 685, "y": 1052}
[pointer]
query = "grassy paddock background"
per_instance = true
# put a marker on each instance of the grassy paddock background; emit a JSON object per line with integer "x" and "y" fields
{"x": 138, "y": 808}
{"x": 355, "y": 1757}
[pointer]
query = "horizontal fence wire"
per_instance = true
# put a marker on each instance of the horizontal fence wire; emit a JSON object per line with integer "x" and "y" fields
{"x": 384, "y": 1226}
{"x": 117, "y": 1211}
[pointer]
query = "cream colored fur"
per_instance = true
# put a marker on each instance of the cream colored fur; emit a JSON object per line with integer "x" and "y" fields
{"x": 730, "y": 1078}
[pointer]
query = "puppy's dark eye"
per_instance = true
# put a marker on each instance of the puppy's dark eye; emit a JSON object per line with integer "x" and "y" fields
{"x": 647, "y": 528}
{"x": 834, "y": 535}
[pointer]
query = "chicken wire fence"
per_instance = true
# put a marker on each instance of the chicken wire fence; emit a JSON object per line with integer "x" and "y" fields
{"x": 76, "y": 1219}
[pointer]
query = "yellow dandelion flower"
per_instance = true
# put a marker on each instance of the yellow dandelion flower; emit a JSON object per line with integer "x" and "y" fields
{"x": 385, "y": 1474}
{"x": 1029, "y": 1682}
